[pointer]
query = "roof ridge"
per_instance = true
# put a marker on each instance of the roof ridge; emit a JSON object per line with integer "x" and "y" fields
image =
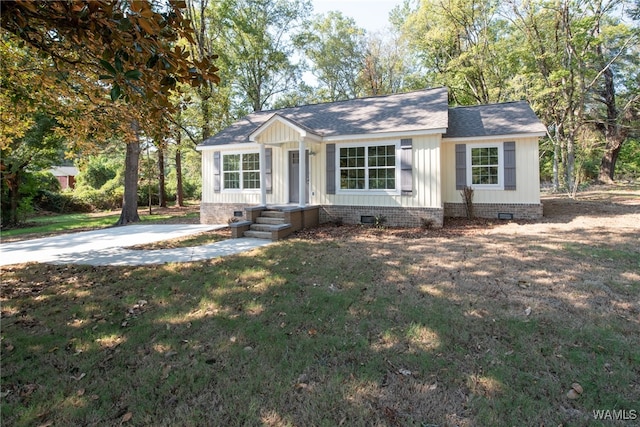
{"x": 487, "y": 105}
{"x": 350, "y": 100}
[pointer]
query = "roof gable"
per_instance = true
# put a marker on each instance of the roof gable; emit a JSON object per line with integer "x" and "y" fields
{"x": 278, "y": 120}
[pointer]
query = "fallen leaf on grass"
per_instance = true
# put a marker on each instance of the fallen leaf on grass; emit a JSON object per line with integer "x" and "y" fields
{"x": 79, "y": 377}
{"x": 572, "y": 394}
{"x": 126, "y": 417}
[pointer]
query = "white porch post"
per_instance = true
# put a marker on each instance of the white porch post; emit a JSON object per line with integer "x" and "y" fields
{"x": 302, "y": 174}
{"x": 263, "y": 175}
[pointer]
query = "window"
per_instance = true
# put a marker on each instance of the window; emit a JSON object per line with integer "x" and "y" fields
{"x": 485, "y": 166}
{"x": 241, "y": 171}
{"x": 368, "y": 167}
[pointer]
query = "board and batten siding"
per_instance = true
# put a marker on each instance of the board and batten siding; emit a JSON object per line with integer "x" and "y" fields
{"x": 425, "y": 175}
{"x": 209, "y": 195}
{"x": 277, "y": 133}
{"x": 527, "y": 174}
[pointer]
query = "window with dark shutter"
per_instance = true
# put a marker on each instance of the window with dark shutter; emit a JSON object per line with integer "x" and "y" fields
{"x": 216, "y": 171}
{"x": 406, "y": 166}
{"x": 331, "y": 168}
{"x": 268, "y": 160}
{"x": 510, "y": 165}
{"x": 461, "y": 166}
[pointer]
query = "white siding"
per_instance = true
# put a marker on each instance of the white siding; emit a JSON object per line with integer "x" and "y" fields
{"x": 527, "y": 174}
{"x": 225, "y": 196}
{"x": 278, "y": 132}
{"x": 425, "y": 172}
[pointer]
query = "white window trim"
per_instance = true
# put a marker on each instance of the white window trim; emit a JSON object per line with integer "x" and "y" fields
{"x": 222, "y": 171}
{"x": 394, "y": 192}
{"x": 500, "y": 184}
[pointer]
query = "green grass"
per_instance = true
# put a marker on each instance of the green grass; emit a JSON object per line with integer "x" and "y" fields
{"x": 385, "y": 331}
{"x": 51, "y": 224}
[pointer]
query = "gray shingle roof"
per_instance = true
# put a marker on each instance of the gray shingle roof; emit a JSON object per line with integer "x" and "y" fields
{"x": 412, "y": 111}
{"x": 408, "y": 112}
{"x": 507, "y": 118}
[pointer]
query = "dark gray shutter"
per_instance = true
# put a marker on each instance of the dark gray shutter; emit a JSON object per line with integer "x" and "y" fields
{"x": 331, "y": 168}
{"x": 461, "y": 166}
{"x": 406, "y": 161}
{"x": 268, "y": 161}
{"x": 510, "y": 165}
{"x": 216, "y": 171}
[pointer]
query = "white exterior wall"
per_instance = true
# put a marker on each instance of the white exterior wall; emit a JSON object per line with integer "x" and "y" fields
{"x": 225, "y": 196}
{"x": 426, "y": 172}
{"x": 527, "y": 173}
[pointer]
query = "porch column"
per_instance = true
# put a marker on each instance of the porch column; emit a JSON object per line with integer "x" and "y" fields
{"x": 302, "y": 174}
{"x": 263, "y": 176}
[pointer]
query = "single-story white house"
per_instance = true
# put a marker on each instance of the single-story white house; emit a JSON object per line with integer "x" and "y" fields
{"x": 404, "y": 157}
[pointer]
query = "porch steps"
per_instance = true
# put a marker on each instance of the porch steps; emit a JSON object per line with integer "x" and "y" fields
{"x": 258, "y": 234}
{"x": 266, "y": 223}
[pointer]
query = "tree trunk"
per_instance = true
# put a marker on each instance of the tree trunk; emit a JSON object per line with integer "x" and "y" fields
{"x": 14, "y": 188}
{"x": 162, "y": 188}
{"x": 179, "y": 188}
{"x": 608, "y": 162}
{"x": 614, "y": 134}
{"x": 556, "y": 165}
{"x": 130, "y": 199}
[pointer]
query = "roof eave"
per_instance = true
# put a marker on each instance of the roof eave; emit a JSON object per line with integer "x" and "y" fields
{"x": 379, "y": 135}
{"x": 494, "y": 137}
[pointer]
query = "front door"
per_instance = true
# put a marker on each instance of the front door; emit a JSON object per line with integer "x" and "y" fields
{"x": 294, "y": 176}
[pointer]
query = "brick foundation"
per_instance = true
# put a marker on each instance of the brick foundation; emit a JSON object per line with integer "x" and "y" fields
{"x": 491, "y": 210}
{"x": 220, "y": 213}
{"x": 214, "y": 213}
{"x": 394, "y": 216}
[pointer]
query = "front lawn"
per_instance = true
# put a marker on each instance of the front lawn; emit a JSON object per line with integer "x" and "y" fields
{"x": 466, "y": 326}
{"x": 51, "y": 224}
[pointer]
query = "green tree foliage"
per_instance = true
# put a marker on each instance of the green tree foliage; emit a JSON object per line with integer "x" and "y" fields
{"x": 575, "y": 61}
{"x": 464, "y": 44}
{"x": 104, "y": 54}
{"x": 38, "y": 148}
{"x": 336, "y": 48}
{"x": 256, "y": 49}
{"x": 96, "y": 171}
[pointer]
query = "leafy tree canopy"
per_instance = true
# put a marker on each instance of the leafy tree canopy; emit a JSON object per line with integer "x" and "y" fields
{"x": 93, "y": 53}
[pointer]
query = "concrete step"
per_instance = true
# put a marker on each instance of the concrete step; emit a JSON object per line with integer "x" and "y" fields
{"x": 263, "y": 227}
{"x": 266, "y": 220}
{"x": 272, "y": 214}
{"x": 258, "y": 234}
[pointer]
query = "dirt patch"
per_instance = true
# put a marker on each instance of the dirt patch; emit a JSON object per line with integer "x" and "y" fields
{"x": 189, "y": 214}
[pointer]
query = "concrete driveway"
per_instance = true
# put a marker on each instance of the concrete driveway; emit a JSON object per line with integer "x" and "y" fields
{"x": 108, "y": 246}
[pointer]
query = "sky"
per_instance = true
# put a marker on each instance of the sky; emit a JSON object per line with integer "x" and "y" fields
{"x": 372, "y": 15}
